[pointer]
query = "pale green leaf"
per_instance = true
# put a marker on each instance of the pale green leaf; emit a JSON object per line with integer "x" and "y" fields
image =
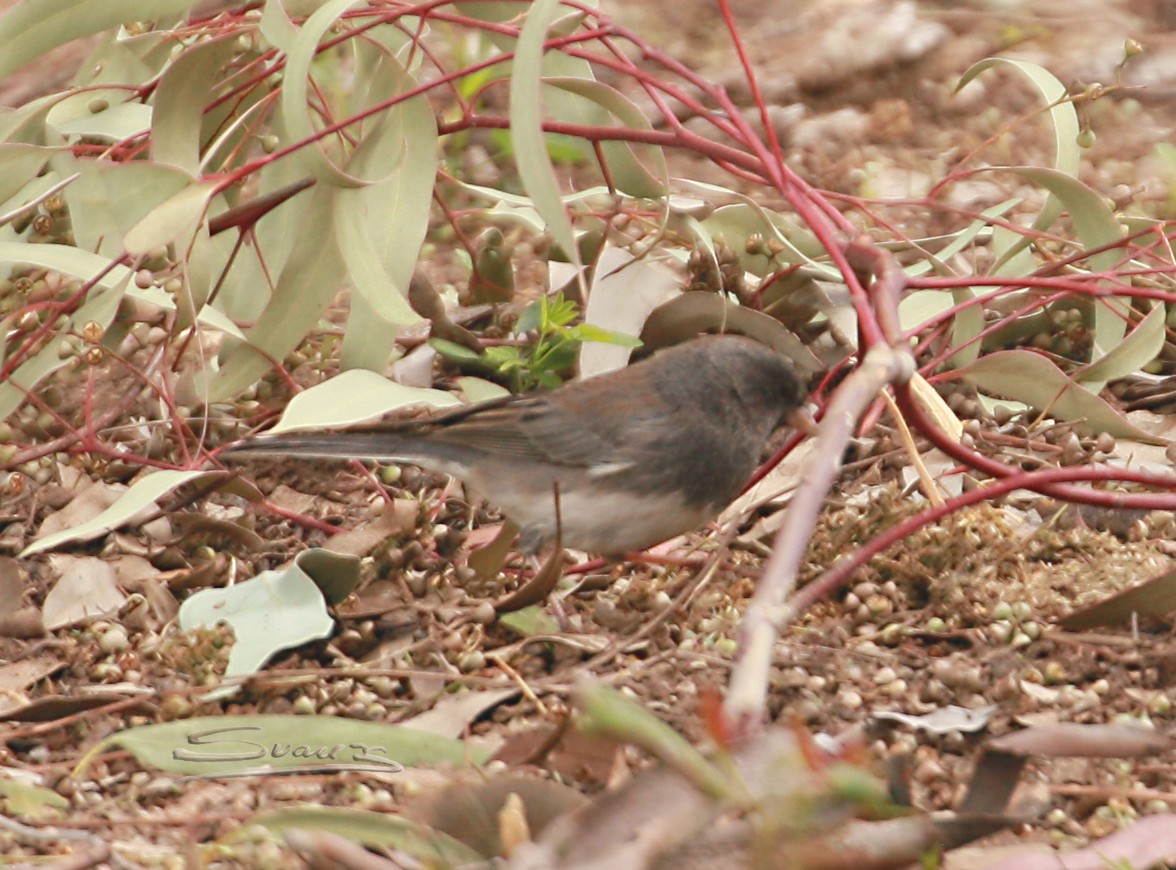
{"x": 636, "y": 170}
{"x": 961, "y": 240}
{"x": 307, "y": 284}
{"x": 26, "y": 124}
{"x": 142, "y": 494}
{"x": 210, "y": 745}
{"x": 369, "y": 339}
{"x": 29, "y": 30}
{"x": 296, "y": 95}
{"x": 174, "y": 221}
{"x": 737, "y": 221}
{"x": 107, "y": 199}
{"x": 432, "y": 848}
{"x": 969, "y": 323}
{"x": 246, "y": 290}
{"x": 475, "y": 390}
{"x": 531, "y": 621}
{"x": 353, "y": 397}
{"x": 117, "y": 123}
{"x": 1067, "y": 153}
{"x": 181, "y": 98}
{"x": 1031, "y": 378}
{"x": 1096, "y": 226}
{"x": 28, "y": 801}
{"x": 401, "y": 146}
{"x": 1131, "y": 354}
{"x": 273, "y": 611}
{"x": 20, "y": 165}
{"x": 276, "y": 26}
{"x": 921, "y": 306}
{"x": 526, "y": 127}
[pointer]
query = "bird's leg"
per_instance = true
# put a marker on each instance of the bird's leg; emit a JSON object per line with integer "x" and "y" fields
{"x": 540, "y": 585}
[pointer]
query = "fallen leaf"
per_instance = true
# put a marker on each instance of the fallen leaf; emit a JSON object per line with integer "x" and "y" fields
{"x": 85, "y": 590}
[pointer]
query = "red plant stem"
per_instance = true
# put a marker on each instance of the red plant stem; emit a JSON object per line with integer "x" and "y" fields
{"x": 1084, "y": 285}
{"x": 745, "y": 704}
{"x": 749, "y": 73}
{"x": 996, "y": 325}
{"x": 1042, "y": 481}
{"x": 835, "y": 577}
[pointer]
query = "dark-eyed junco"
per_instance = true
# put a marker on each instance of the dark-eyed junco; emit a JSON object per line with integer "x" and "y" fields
{"x": 634, "y": 457}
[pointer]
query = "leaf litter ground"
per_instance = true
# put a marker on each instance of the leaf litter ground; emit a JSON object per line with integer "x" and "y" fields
{"x": 957, "y": 615}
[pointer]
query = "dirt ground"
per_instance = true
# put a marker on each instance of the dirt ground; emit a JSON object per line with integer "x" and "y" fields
{"x": 962, "y": 614}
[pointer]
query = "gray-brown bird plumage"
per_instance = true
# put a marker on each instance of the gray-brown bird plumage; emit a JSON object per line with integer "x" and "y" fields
{"x": 637, "y": 456}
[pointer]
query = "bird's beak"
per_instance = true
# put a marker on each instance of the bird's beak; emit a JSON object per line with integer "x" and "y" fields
{"x": 802, "y": 420}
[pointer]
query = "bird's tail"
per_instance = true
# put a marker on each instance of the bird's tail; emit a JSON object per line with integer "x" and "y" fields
{"x": 371, "y": 446}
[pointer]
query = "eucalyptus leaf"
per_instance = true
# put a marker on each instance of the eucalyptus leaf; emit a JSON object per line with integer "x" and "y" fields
{"x": 798, "y": 242}
{"x": 295, "y": 95}
{"x": 531, "y": 621}
{"x": 1097, "y": 227}
{"x": 430, "y": 847}
{"x": 20, "y": 164}
{"x": 142, "y": 495}
{"x": 181, "y": 98}
{"x": 269, "y": 613}
{"x": 353, "y": 397}
{"x": 224, "y": 745}
{"x": 1063, "y": 117}
{"x": 402, "y": 147}
{"x": 307, "y": 284}
{"x": 637, "y": 170}
{"x": 29, "y": 30}
{"x": 1131, "y": 354}
{"x": 174, "y": 221}
{"x": 107, "y": 199}
{"x": 526, "y": 127}
{"x": 475, "y": 390}
{"x": 1031, "y": 378}
{"x": 120, "y": 122}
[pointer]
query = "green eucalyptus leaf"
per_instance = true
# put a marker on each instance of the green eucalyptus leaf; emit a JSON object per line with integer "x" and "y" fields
{"x": 181, "y": 98}
{"x": 20, "y": 164}
{"x": 269, "y": 613}
{"x": 400, "y": 146}
{"x": 627, "y": 163}
{"x": 1131, "y": 354}
{"x": 142, "y": 495}
{"x": 526, "y": 127}
{"x": 307, "y": 284}
{"x": 353, "y": 397}
{"x": 1064, "y": 118}
{"x": 380, "y": 830}
{"x": 107, "y": 199}
{"x": 173, "y": 221}
{"x": 317, "y": 157}
{"x": 29, "y": 30}
{"x": 1029, "y": 377}
{"x": 224, "y": 745}
{"x": 1097, "y": 227}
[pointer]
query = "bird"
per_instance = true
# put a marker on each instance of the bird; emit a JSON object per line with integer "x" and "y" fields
{"x": 610, "y": 465}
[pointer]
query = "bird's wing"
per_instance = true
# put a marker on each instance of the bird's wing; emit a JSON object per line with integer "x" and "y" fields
{"x": 528, "y": 428}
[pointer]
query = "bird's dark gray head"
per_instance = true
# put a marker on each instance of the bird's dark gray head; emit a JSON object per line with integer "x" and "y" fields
{"x": 760, "y": 376}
